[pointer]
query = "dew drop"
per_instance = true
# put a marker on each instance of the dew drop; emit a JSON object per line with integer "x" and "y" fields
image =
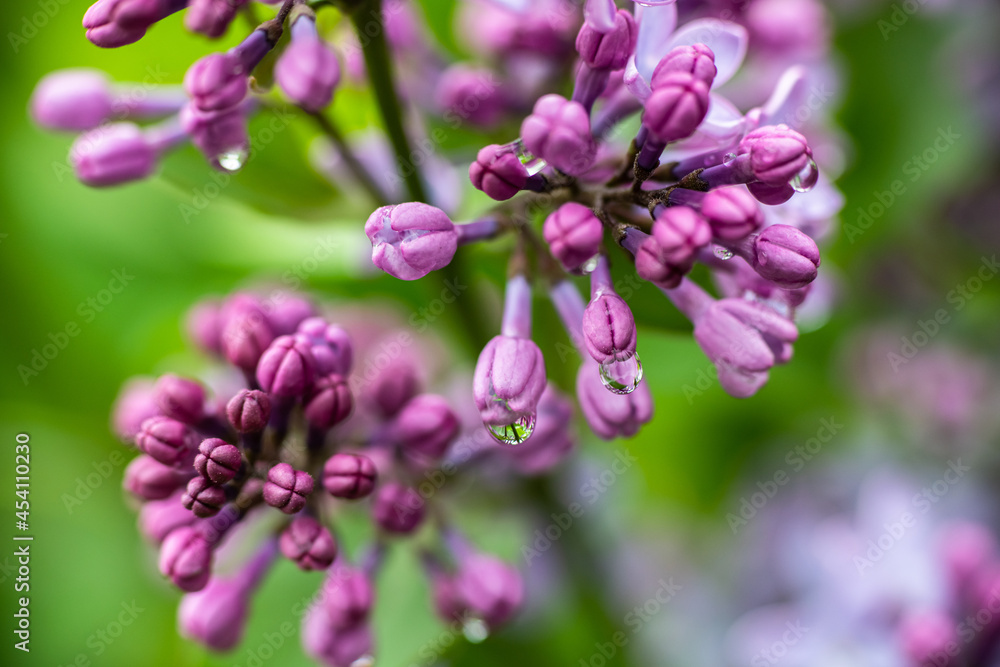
{"x": 622, "y": 374}
{"x": 364, "y": 661}
{"x": 729, "y": 157}
{"x": 723, "y": 253}
{"x": 513, "y": 434}
{"x": 654, "y": 3}
{"x": 475, "y": 630}
{"x": 232, "y": 160}
{"x": 588, "y": 267}
{"x": 805, "y": 180}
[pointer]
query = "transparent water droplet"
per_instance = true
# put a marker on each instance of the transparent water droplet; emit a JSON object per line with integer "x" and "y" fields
{"x": 723, "y": 253}
{"x": 588, "y": 267}
{"x": 475, "y": 630}
{"x": 654, "y": 3}
{"x": 622, "y": 374}
{"x": 513, "y": 434}
{"x": 531, "y": 163}
{"x": 232, "y": 160}
{"x": 364, "y": 661}
{"x": 805, "y": 179}
{"x": 729, "y": 157}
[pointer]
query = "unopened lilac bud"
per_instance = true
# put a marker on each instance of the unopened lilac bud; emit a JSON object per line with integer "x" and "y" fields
{"x": 287, "y": 488}
{"x": 288, "y": 313}
{"x": 249, "y": 410}
{"x": 186, "y": 558}
{"x": 574, "y": 234}
{"x": 349, "y": 476}
{"x": 394, "y": 385}
{"x": 772, "y": 195}
{"x": 204, "y": 326}
{"x": 134, "y": 405}
{"x": 411, "y": 240}
{"x": 216, "y": 82}
{"x": 113, "y": 155}
{"x": 786, "y": 256}
{"x": 471, "y": 94}
{"x": 217, "y": 460}
{"x": 611, "y": 415}
{"x": 509, "y": 379}
{"x": 650, "y": 265}
{"x": 72, "y": 99}
{"x": 492, "y": 589}
{"x": 608, "y": 327}
{"x": 777, "y": 154}
{"x": 498, "y": 172}
{"x": 680, "y": 232}
{"x": 308, "y": 70}
{"x": 180, "y": 398}
{"x": 221, "y": 136}
{"x": 114, "y": 23}
{"x": 676, "y": 107}
{"x": 608, "y": 50}
{"x": 211, "y": 17}
{"x": 331, "y": 346}
{"x": 167, "y": 440}
{"x": 159, "y": 518}
{"x": 426, "y": 426}
{"x": 558, "y": 131}
{"x": 398, "y": 508}
{"x": 551, "y": 441}
{"x": 330, "y": 402}
{"x": 732, "y": 213}
{"x": 335, "y": 647}
{"x": 695, "y": 59}
{"x": 926, "y": 637}
{"x": 348, "y": 596}
{"x": 308, "y": 543}
{"x": 449, "y": 604}
{"x": 148, "y": 479}
{"x": 286, "y": 368}
{"x": 967, "y": 551}
{"x": 203, "y": 497}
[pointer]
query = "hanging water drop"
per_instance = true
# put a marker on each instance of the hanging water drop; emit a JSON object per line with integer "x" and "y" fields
{"x": 513, "y": 434}
{"x": 588, "y": 267}
{"x": 232, "y": 160}
{"x": 805, "y": 180}
{"x": 729, "y": 157}
{"x": 723, "y": 253}
{"x": 622, "y": 373}
{"x": 364, "y": 661}
{"x": 475, "y": 630}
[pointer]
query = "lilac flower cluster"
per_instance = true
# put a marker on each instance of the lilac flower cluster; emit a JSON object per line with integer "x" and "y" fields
{"x": 289, "y": 424}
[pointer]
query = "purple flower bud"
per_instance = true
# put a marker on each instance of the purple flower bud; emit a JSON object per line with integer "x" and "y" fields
{"x": 695, "y": 59}
{"x": 471, "y": 94}
{"x": 289, "y": 312}
{"x": 113, "y": 155}
{"x": 680, "y": 232}
{"x": 391, "y": 388}
{"x": 168, "y": 441}
{"x": 732, "y": 213}
{"x": 249, "y": 410}
{"x": 332, "y": 646}
{"x": 449, "y": 604}
{"x": 221, "y": 136}
{"x": 114, "y": 23}
{"x": 772, "y": 195}
{"x": 204, "y": 325}
{"x": 330, "y": 402}
{"x": 558, "y": 131}
{"x": 777, "y": 154}
{"x": 217, "y": 460}
{"x": 786, "y": 256}
{"x": 286, "y": 368}
{"x": 134, "y": 405}
{"x": 287, "y": 488}
{"x": 398, "y": 508}
{"x": 148, "y": 479}
{"x": 676, "y": 108}
{"x": 611, "y": 415}
{"x": 72, "y": 99}
{"x": 216, "y": 82}
{"x": 492, "y": 589}
{"x": 608, "y": 327}
{"x": 186, "y": 558}
{"x": 608, "y": 50}
{"x": 331, "y": 346}
{"x": 509, "y": 379}
{"x": 651, "y": 266}
{"x": 180, "y": 399}
{"x": 498, "y": 172}
{"x": 426, "y": 426}
{"x": 308, "y": 71}
{"x": 308, "y": 543}
{"x": 348, "y": 596}
{"x": 211, "y": 17}
{"x": 926, "y": 637}
{"x": 411, "y": 240}
{"x": 203, "y": 497}
{"x": 574, "y": 234}
{"x": 159, "y": 518}
{"x": 967, "y": 551}
{"x": 550, "y": 442}
{"x": 349, "y": 476}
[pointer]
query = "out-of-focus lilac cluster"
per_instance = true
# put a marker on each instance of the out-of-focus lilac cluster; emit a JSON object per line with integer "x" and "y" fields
{"x": 303, "y": 418}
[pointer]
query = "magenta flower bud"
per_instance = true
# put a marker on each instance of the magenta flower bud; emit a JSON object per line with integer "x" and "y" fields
{"x": 680, "y": 232}
{"x": 148, "y": 479}
{"x": 249, "y": 410}
{"x": 492, "y": 589}
{"x": 287, "y": 488}
{"x": 470, "y": 94}
{"x": 211, "y": 17}
{"x": 72, "y": 99}
{"x": 288, "y": 312}
{"x": 114, "y": 23}
{"x": 167, "y": 440}
{"x": 349, "y": 476}
{"x": 426, "y": 426}
{"x": 216, "y": 82}
{"x": 204, "y": 326}
{"x": 785, "y": 256}
{"x": 308, "y": 70}
{"x": 391, "y": 388}
{"x": 695, "y": 59}
{"x": 221, "y": 136}
{"x": 159, "y": 518}
{"x": 558, "y": 131}
{"x": 217, "y": 460}
{"x": 331, "y": 346}
{"x": 574, "y": 234}
{"x": 608, "y": 328}
{"x": 411, "y": 240}
{"x": 186, "y": 558}
{"x": 777, "y": 153}
{"x": 550, "y": 442}
{"x": 732, "y": 213}
{"x": 772, "y": 195}
{"x": 398, "y": 508}
{"x": 180, "y": 399}
{"x": 113, "y": 155}
{"x": 335, "y": 647}
{"x": 651, "y": 266}
{"x": 676, "y": 108}
{"x": 608, "y": 50}
{"x": 308, "y": 543}
{"x": 286, "y": 368}
{"x": 498, "y": 172}
{"x": 330, "y": 402}
{"x": 134, "y": 405}
{"x": 448, "y": 602}
{"x": 926, "y": 637}
{"x": 611, "y": 415}
{"x": 348, "y": 597}
{"x": 509, "y": 379}
{"x": 967, "y": 551}
{"x": 203, "y": 497}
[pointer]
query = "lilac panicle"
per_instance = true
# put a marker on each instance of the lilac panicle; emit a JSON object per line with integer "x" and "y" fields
{"x": 308, "y": 543}
{"x": 411, "y": 240}
{"x": 307, "y": 71}
{"x": 349, "y": 476}
{"x": 574, "y": 234}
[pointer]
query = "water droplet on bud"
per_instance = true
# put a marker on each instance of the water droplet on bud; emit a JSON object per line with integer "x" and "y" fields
{"x": 475, "y": 630}
{"x": 513, "y": 434}
{"x": 588, "y": 267}
{"x": 622, "y": 373}
{"x": 232, "y": 160}
{"x": 729, "y": 157}
{"x": 723, "y": 253}
{"x": 805, "y": 180}
{"x": 364, "y": 661}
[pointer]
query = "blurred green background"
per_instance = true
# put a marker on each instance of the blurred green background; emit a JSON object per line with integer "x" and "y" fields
{"x": 60, "y": 243}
